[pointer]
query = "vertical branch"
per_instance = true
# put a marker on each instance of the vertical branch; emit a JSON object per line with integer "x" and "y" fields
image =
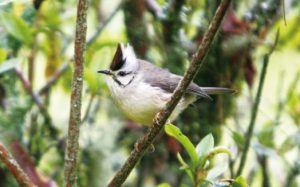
{"x": 161, "y": 117}
{"x": 263, "y": 161}
{"x": 75, "y": 106}
{"x": 136, "y": 26}
{"x": 292, "y": 174}
{"x": 14, "y": 168}
{"x": 249, "y": 132}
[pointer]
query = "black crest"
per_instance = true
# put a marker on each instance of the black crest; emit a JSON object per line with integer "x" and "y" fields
{"x": 118, "y": 60}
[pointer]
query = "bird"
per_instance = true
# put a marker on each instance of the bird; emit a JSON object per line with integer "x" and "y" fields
{"x": 141, "y": 89}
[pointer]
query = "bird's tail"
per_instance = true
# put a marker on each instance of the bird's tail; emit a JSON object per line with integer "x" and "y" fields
{"x": 217, "y": 90}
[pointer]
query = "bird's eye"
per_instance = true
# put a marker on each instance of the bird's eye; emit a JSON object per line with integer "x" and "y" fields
{"x": 122, "y": 73}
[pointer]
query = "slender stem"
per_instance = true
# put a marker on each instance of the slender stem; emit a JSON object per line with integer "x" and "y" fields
{"x": 292, "y": 174}
{"x": 61, "y": 70}
{"x": 263, "y": 161}
{"x": 162, "y": 116}
{"x": 104, "y": 24}
{"x": 14, "y": 168}
{"x": 37, "y": 100}
{"x": 249, "y": 132}
{"x": 75, "y": 105}
{"x": 88, "y": 108}
{"x": 28, "y": 87}
{"x": 253, "y": 114}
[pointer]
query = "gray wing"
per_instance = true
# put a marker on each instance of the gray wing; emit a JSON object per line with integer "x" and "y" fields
{"x": 167, "y": 81}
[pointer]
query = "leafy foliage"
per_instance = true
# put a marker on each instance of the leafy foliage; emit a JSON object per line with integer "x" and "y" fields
{"x": 39, "y": 43}
{"x": 199, "y": 170}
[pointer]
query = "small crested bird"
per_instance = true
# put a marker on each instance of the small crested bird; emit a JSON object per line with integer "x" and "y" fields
{"x": 141, "y": 89}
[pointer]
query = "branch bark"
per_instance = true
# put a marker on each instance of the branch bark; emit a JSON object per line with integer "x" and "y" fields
{"x": 14, "y": 168}
{"x": 161, "y": 117}
{"x": 75, "y": 106}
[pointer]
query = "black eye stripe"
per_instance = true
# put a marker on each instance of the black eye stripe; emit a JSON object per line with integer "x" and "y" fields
{"x": 124, "y": 73}
{"x": 124, "y": 85}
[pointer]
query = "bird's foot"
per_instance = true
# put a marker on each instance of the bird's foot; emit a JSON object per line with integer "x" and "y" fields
{"x": 137, "y": 147}
{"x": 151, "y": 148}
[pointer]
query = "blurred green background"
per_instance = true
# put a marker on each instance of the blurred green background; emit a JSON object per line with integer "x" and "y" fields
{"x": 37, "y": 46}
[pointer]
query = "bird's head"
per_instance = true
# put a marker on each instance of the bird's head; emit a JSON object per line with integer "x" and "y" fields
{"x": 123, "y": 67}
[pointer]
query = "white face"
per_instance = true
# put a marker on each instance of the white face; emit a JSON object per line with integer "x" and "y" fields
{"x": 124, "y": 75}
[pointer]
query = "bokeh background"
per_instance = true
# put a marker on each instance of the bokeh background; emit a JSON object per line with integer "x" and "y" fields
{"x": 36, "y": 55}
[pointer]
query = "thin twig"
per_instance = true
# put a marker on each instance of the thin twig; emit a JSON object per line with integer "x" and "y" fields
{"x": 63, "y": 68}
{"x": 37, "y": 100}
{"x": 263, "y": 161}
{"x": 14, "y": 168}
{"x": 292, "y": 174}
{"x": 70, "y": 171}
{"x": 154, "y": 8}
{"x": 88, "y": 109}
{"x": 104, "y": 24}
{"x": 161, "y": 117}
{"x": 283, "y": 12}
{"x": 27, "y": 85}
{"x": 281, "y": 101}
{"x": 249, "y": 133}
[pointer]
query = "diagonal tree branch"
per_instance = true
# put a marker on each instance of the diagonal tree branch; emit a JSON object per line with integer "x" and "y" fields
{"x": 14, "y": 168}
{"x": 70, "y": 170}
{"x": 161, "y": 117}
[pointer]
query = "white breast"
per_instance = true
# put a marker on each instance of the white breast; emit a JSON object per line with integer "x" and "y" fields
{"x": 140, "y": 101}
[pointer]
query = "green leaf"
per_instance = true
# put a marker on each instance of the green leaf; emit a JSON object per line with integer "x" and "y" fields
{"x": 3, "y": 55}
{"x": 205, "y": 145}
{"x": 16, "y": 27}
{"x": 218, "y": 150}
{"x": 266, "y": 134}
{"x": 289, "y": 143}
{"x": 8, "y": 65}
{"x": 238, "y": 139}
{"x": 164, "y": 185}
{"x": 216, "y": 171}
{"x": 239, "y": 182}
{"x": 175, "y": 132}
{"x": 181, "y": 161}
{"x": 263, "y": 150}
{"x": 185, "y": 166}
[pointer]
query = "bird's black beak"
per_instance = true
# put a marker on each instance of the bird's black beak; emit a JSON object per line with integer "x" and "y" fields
{"x": 105, "y": 71}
